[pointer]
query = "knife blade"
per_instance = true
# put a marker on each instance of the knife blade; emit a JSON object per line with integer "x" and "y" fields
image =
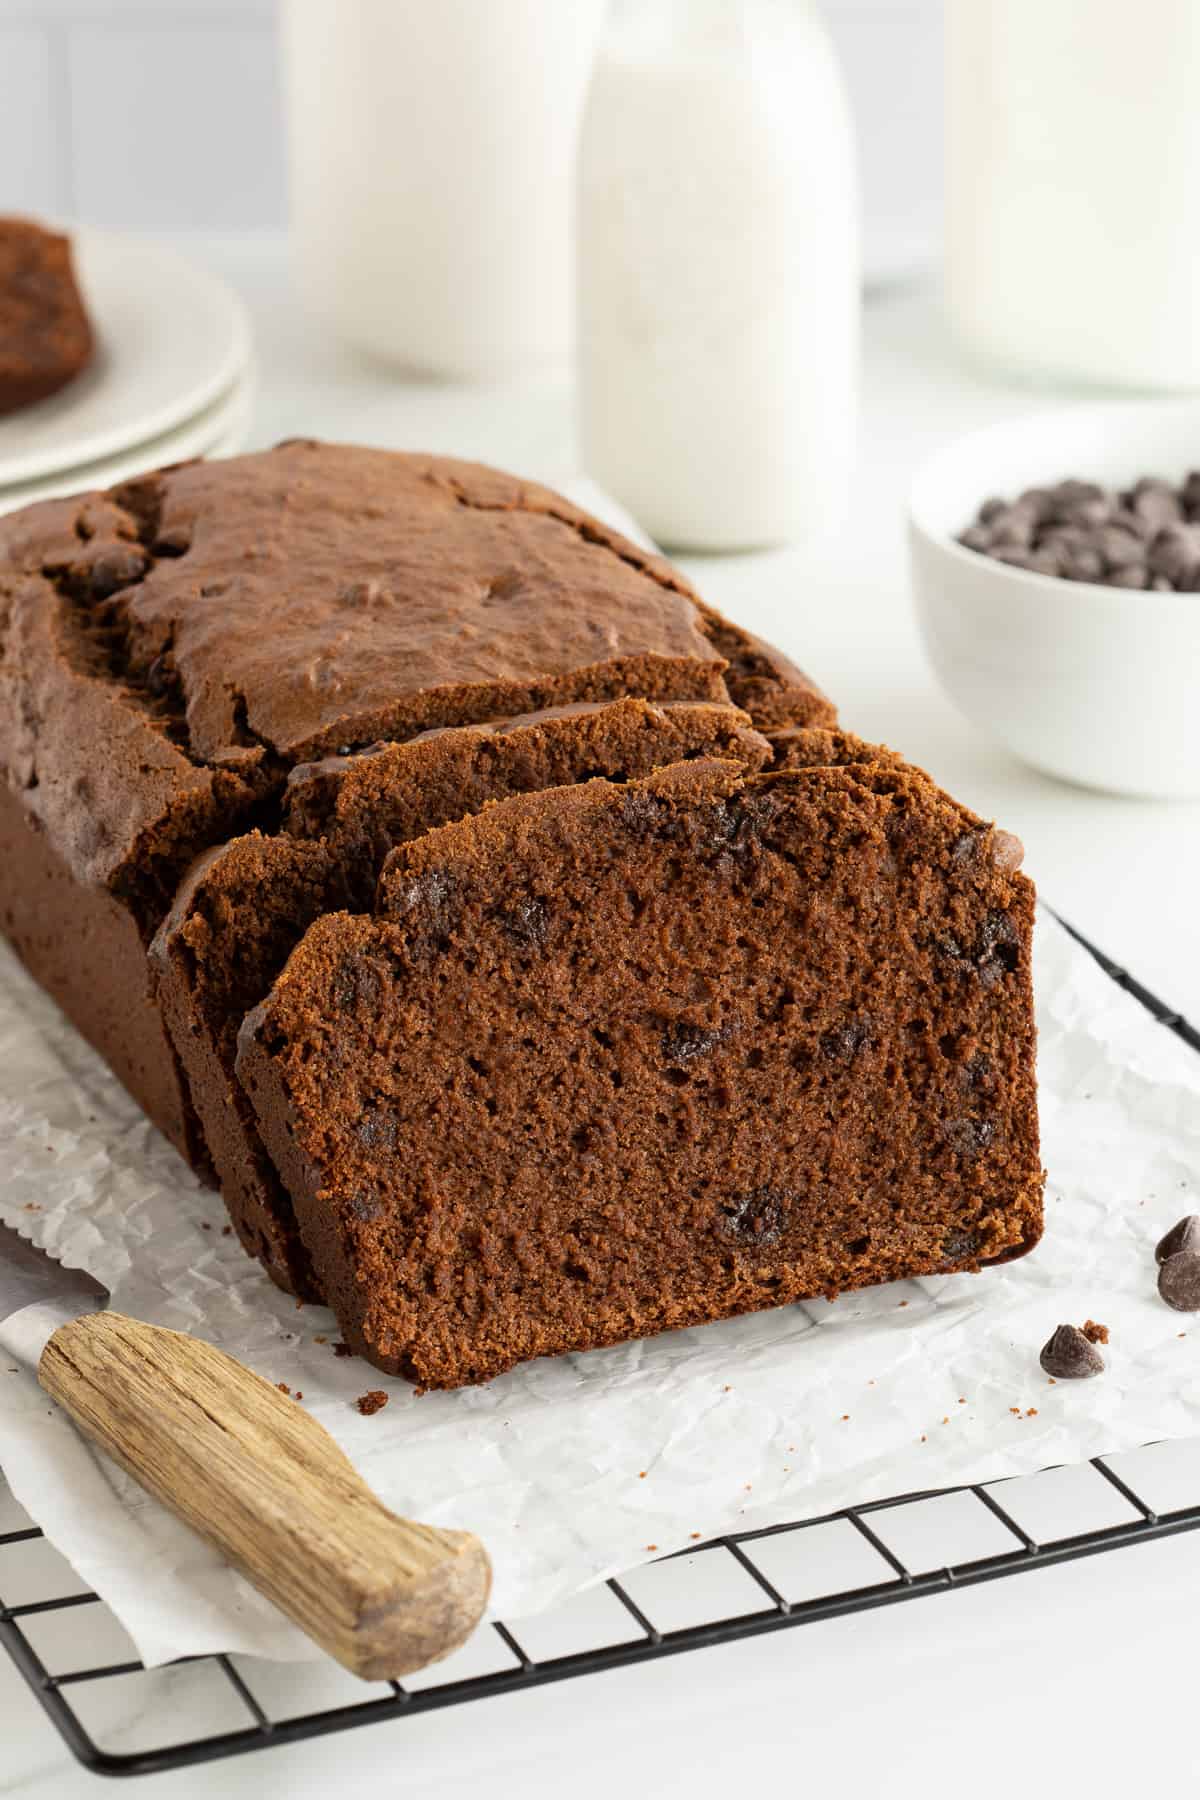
{"x": 248, "y": 1468}
{"x": 37, "y": 1295}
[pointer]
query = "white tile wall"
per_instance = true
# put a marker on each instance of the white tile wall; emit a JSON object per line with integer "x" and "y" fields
{"x": 165, "y": 114}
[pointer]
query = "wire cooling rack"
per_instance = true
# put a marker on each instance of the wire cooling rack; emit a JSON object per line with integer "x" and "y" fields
{"x": 117, "y": 1716}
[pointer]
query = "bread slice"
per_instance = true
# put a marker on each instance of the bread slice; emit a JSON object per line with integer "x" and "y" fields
{"x": 611, "y": 1060}
{"x": 243, "y": 907}
{"x": 45, "y": 334}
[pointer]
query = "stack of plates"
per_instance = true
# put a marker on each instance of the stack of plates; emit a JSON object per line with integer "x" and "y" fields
{"x": 171, "y": 377}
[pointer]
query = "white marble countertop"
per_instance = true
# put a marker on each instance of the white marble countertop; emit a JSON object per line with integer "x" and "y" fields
{"x": 1079, "y": 1675}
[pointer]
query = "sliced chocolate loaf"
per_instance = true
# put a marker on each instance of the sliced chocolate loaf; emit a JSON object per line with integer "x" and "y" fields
{"x": 610, "y": 1060}
{"x": 243, "y": 907}
{"x": 45, "y": 334}
{"x": 170, "y": 650}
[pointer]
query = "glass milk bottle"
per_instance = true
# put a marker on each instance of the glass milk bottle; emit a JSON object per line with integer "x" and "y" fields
{"x": 431, "y": 151}
{"x": 1072, "y": 159}
{"x": 717, "y": 271}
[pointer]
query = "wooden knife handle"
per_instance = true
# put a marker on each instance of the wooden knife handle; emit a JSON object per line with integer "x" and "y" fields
{"x": 252, "y": 1471}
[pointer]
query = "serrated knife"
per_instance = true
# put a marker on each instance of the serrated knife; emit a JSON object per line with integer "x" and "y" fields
{"x": 246, "y": 1467}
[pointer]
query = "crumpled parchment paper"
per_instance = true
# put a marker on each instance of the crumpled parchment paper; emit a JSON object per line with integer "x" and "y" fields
{"x": 783, "y": 1415}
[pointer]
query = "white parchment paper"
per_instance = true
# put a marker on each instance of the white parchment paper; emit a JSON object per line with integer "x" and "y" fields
{"x": 579, "y": 1467}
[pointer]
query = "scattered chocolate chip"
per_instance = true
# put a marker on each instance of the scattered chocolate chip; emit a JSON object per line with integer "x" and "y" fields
{"x": 1070, "y": 1356}
{"x": 342, "y": 1350}
{"x": 1179, "y": 1281}
{"x": 1184, "y": 1236}
{"x": 1095, "y": 1333}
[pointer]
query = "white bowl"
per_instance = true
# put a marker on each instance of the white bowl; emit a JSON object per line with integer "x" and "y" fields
{"x": 1097, "y": 685}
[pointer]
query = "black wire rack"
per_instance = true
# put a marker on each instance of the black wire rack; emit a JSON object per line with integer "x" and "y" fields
{"x": 116, "y": 1716}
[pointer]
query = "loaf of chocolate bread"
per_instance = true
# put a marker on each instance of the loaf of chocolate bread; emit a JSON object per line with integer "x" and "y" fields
{"x": 604, "y": 1060}
{"x": 172, "y": 650}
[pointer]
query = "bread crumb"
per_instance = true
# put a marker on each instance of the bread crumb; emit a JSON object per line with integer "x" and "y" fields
{"x": 1031, "y": 1412}
{"x": 946, "y": 1420}
{"x": 320, "y": 1338}
{"x": 727, "y": 1389}
{"x": 1051, "y": 1382}
{"x": 962, "y": 1399}
{"x": 904, "y": 1303}
{"x": 227, "y": 1231}
{"x": 283, "y": 1387}
{"x": 652, "y": 1546}
{"x": 693, "y": 1534}
{"x": 297, "y": 1395}
{"x": 1095, "y": 1334}
{"x": 204, "y": 1225}
{"x": 340, "y": 1349}
{"x": 924, "y": 1439}
{"x": 641, "y": 1472}
{"x": 372, "y": 1402}
{"x": 1015, "y": 1409}
{"x": 845, "y": 1416}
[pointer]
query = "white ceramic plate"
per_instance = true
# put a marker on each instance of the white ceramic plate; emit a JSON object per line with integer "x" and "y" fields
{"x": 170, "y": 338}
{"x": 211, "y": 433}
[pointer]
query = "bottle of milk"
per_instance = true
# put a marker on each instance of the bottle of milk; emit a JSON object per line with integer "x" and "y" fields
{"x": 431, "y": 146}
{"x": 717, "y": 271}
{"x": 1072, "y": 153}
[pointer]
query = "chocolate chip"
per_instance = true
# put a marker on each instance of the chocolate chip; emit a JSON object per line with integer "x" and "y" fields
{"x": 115, "y": 568}
{"x": 1119, "y": 547}
{"x": 968, "y": 1138}
{"x": 1156, "y": 503}
{"x": 959, "y": 1244}
{"x": 965, "y": 849}
{"x": 844, "y": 1042}
{"x": 681, "y": 1042}
{"x": 175, "y": 541}
{"x": 1069, "y": 1356}
{"x": 527, "y": 923}
{"x": 364, "y": 1207}
{"x": 1084, "y": 564}
{"x": 158, "y": 677}
{"x": 1183, "y": 1236}
{"x": 1179, "y": 1281}
{"x": 1008, "y": 852}
{"x": 756, "y": 1219}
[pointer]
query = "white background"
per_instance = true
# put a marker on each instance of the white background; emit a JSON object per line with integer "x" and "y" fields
{"x": 165, "y": 114}
{"x": 1080, "y": 1679}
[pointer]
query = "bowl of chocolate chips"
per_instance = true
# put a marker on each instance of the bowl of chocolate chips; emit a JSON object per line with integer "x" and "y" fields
{"x": 1056, "y": 571}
